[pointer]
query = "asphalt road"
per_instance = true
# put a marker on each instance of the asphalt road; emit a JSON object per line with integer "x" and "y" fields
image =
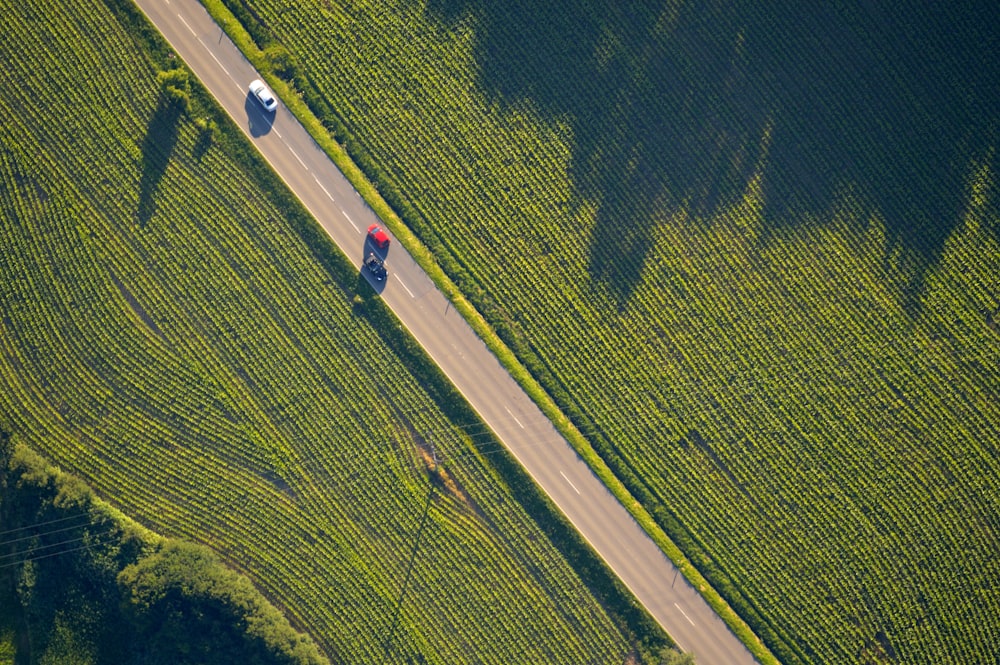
{"x": 450, "y": 341}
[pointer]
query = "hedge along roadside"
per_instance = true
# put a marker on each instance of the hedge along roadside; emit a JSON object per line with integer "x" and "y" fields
{"x": 295, "y": 101}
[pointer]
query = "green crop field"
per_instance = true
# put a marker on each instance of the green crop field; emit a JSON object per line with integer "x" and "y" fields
{"x": 752, "y": 249}
{"x": 167, "y": 335}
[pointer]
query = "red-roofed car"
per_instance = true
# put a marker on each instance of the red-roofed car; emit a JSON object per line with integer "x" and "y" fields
{"x": 378, "y": 237}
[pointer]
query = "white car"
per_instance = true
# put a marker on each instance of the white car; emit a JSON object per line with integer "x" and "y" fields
{"x": 263, "y": 95}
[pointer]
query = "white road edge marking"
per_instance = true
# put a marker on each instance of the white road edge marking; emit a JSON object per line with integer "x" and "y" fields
{"x": 578, "y": 491}
{"x": 403, "y": 285}
{"x": 296, "y": 156}
{"x": 350, "y": 220}
{"x": 684, "y": 613}
{"x": 190, "y": 29}
{"x": 517, "y": 421}
{"x": 316, "y": 178}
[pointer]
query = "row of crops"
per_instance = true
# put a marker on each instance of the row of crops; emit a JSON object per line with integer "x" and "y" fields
{"x": 197, "y": 366}
{"x": 750, "y": 255}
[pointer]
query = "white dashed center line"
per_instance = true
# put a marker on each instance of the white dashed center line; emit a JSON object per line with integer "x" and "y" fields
{"x": 190, "y": 29}
{"x": 571, "y": 484}
{"x": 684, "y": 613}
{"x": 403, "y": 285}
{"x": 217, "y": 61}
{"x": 515, "y": 418}
{"x": 316, "y": 178}
{"x": 351, "y": 221}
{"x": 296, "y": 156}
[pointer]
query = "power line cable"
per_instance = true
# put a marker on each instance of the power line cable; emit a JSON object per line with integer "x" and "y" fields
{"x": 42, "y": 534}
{"x": 37, "y": 548}
{"x": 51, "y": 554}
{"x": 31, "y": 526}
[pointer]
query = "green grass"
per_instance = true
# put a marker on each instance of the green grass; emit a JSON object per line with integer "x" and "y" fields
{"x": 168, "y": 335}
{"x": 753, "y": 254}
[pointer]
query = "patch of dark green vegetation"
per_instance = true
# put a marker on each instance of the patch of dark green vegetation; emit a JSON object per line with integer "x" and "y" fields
{"x": 82, "y": 584}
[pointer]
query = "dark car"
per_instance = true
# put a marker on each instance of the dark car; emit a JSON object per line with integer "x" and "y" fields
{"x": 376, "y": 267}
{"x": 378, "y": 237}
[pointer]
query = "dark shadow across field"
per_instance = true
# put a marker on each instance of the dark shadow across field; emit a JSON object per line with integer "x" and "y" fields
{"x": 157, "y": 147}
{"x": 670, "y": 107}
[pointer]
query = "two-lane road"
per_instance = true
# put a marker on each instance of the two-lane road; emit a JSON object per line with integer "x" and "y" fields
{"x": 449, "y": 340}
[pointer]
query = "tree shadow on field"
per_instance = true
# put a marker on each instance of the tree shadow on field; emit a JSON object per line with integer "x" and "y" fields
{"x": 677, "y": 105}
{"x": 157, "y": 147}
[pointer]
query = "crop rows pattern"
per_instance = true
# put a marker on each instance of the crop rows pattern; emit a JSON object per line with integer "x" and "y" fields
{"x": 167, "y": 336}
{"x": 748, "y": 253}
